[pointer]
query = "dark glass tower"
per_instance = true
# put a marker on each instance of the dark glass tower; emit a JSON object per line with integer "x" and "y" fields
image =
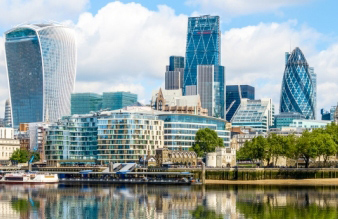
{"x": 118, "y": 100}
{"x": 298, "y": 88}
{"x": 203, "y": 46}
{"x": 176, "y": 62}
{"x": 83, "y": 103}
{"x": 236, "y": 93}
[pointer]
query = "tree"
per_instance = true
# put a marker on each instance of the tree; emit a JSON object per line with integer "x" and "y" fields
{"x": 36, "y": 156}
{"x": 206, "y": 140}
{"x": 274, "y": 148}
{"x": 307, "y": 147}
{"x": 21, "y": 156}
{"x": 326, "y": 145}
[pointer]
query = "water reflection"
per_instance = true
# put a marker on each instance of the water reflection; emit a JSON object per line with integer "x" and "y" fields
{"x": 142, "y": 201}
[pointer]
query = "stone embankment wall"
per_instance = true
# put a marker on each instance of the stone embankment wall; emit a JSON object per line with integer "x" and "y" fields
{"x": 263, "y": 173}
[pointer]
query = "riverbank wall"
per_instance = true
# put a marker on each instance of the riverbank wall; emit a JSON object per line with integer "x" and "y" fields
{"x": 260, "y": 173}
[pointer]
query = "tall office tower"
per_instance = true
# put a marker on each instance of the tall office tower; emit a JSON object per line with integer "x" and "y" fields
{"x": 203, "y": 48}
{"x": 234, "y": 94}
{"x": 298, "y": 90}
{"x": 210, "y": 87}
{"x": 118, "y": 100}
{"x": 174, "y": 73}
{"x": 83, "y": 103}
{"x": 41, "y": 65}
{"x": 314, "y": 82}
{"x": 8, "y": 114}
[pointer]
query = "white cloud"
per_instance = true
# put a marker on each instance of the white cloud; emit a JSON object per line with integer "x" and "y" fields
{"x": 13, "y": 12}
{"x": 128, "y": 40}
{"x": 231, "y": 8}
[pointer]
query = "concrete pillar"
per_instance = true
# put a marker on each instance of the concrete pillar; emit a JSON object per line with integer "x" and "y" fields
{"x": 111, "y": 167}
{"x": 29, "y": 167}
{"x": 203, "y": 173}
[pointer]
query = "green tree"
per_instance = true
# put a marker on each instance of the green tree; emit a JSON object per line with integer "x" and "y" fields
{"x": 275, "y": 148}
{"x": 36, "y": 156}
{"x": 21, "y": 156}
{"x": 307, "y": 147}
{"x": 206, "y": 140}
{"x": 326, "y": 145}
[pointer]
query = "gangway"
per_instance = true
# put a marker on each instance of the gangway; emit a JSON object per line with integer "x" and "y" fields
{"x": 127, "y": 168}
{"x": 116, "y": 167}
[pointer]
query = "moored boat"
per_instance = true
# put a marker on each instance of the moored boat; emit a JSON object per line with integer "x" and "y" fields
{"x": 28, "y": 178}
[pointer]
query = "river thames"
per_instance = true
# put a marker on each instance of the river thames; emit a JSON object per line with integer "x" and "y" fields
{"x": 150, "y": 201}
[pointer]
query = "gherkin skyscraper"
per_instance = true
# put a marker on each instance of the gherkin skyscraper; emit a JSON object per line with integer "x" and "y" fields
{"x": 298, "y": 92}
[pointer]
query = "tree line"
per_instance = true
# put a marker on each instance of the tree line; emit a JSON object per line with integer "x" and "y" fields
{"x": 320, "y": 143}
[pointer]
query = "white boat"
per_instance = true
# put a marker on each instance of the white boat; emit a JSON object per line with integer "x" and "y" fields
{"x": 28, "y": 178}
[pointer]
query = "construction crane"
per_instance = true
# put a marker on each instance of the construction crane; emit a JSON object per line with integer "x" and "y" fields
{"x": 233, "y": 102}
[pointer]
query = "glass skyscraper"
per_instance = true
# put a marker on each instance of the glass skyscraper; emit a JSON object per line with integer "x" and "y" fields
{"x": 298, "y": 92}
{"x": 203, "y": 46}
{"x": 82, "y": 103}
{"x": 236, "y": 93}
{"x": 41, "y": 66}
{"x": 118, "y": 100}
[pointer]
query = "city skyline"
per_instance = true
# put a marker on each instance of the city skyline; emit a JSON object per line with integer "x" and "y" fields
{"x": 244, "y": 44}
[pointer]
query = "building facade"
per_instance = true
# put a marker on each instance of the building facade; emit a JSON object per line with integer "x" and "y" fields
{"x": 165, "y": 156}
{"x": 234, "y": 94}
{"x": 298, "y": 93}
{"x": 202, "y": 48}
{"x": 7, "y": 145}
{"x": 124, "y": 136}
{"x": 173, "y": 101}
{"x": 180, "y": 130}
{"x": 72, "y": 139}
{"x": 210, "y": 87}
{"x": 258, "y": 114}
{"x": 117, "y": 100}
{"x": 309, "y": 124}
{"x": 286, "y": 119}
{"x": 174, "y": 74}
{"x": 328, "y": 115}
{"x": 8, "y": 114}
{"x": 84, "y": 103}
{"x": 41, "y": 66}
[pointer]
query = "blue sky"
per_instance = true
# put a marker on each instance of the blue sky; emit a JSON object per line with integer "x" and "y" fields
{"x": 125, "y": 45}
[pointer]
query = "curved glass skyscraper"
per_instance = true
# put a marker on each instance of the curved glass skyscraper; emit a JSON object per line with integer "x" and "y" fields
{"x": 298, "y": 88}
{"x": 41, "y": 66}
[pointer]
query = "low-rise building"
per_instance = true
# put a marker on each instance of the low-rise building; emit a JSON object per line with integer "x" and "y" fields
{"x": 309, "y": 124}
{"x": 222, "y": 157}
{"x": 166, "y": 156}
{"x": 7, "y": 144}
{"x": 286, "y": 119}
{"x": 174, "y": 101}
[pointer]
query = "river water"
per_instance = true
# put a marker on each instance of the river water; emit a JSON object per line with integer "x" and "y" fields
{"x": 149, "y": 201}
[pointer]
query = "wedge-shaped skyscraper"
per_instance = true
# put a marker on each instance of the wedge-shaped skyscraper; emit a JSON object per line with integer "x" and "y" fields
{"x": 298, "y": 88}
{"x": 41, "y": 66}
